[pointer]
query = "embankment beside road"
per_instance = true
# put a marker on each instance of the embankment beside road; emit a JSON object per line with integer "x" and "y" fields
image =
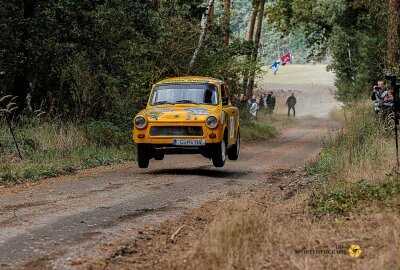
{"x": 53, "y": 148}
{"x": 348, "y": 197}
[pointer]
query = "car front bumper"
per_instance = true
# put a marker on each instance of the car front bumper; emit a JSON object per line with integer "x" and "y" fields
{"x": 169, "y": 149}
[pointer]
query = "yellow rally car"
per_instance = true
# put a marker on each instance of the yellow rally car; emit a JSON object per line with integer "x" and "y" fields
{"x": 187, "y": 115}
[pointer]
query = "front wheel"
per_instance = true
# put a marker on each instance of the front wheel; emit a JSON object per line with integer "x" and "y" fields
{"x": 142, "y": 156}
{"x": 233, "y": 152}
{"x": 219, "y": 154}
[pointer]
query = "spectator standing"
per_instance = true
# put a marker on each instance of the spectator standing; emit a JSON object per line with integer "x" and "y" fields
{"x": 291, "y": 102}
{"x": 252, "y": 100}
{"x": 254, "y": 107}
{"x": 261, "y": 101}
{"x": 268, "y": 102}
{"x": 273, "y": 102}
{"x": 242, "y": 100}
{"x": 378, "y": 95}
{"x": 264, "y": 100}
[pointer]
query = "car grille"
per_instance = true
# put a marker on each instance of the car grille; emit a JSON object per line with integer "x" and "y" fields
{"x": 176, "y": 131}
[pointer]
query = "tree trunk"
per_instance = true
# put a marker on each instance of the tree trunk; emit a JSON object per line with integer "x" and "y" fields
{"x": 227, "y": 22}
{"x": 204, "y": 22}
{"x": 256, "y": 45}
{"x": 250, "y": 39}
{"x": 250, "y": 36}
{"x": 212, "y": 14}
{"x": 393, "y": 39}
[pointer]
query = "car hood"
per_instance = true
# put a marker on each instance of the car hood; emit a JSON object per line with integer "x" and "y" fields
{"x": 178, "y": 114}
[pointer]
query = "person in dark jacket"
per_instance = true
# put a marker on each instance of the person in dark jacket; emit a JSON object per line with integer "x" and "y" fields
{"x": 242, "y": 100}
{"x": 272, "y": 103}
{"x": 268, "y": 102}
{"x": 291, "y": 102}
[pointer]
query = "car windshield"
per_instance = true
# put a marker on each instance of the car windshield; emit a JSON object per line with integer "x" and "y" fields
{"x": 185, "y": 94}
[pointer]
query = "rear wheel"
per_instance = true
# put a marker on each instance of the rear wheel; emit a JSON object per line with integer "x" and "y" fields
{"x": 219, "y": 154}
{"x": 233, "y": 152}
{"x": 142, "y": 156}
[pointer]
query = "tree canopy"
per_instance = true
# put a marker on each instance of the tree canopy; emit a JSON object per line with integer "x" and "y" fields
{"x": 353, "y": 33}
{"x": 97, "y": 58}
{"x": 79, "y": 59}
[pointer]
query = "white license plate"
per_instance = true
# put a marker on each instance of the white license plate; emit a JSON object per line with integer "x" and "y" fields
{"x": 190, "y": 142}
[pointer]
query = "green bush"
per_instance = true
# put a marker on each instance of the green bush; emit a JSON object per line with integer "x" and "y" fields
{"x": 360, "y": 150}
{"x": 53, "y": 148}
{"x": 360, "y": 142}
{"x": 6, "y": 175}
{"x": 106, "y": 133}
{"x": 254, "y": 131}
{"x": 346, "y": 199}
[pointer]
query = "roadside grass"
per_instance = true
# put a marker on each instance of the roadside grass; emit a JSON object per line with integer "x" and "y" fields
{"x": 350, "y": 195}
{"x": 357, "y": 167}
{"x": 258, "y": 129}
{"x": 54, "y": 148}
{"x": 257, "y": 232}
{"x": 361, "y": 150}
{"x": 351, "y": 198}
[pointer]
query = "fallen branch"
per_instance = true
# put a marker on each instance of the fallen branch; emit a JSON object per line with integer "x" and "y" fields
{"x": 175, "y": 234}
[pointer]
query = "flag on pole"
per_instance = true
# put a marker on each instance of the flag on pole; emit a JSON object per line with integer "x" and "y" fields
{"x": 287, "y": 58}
{"x": 275, "y": 66}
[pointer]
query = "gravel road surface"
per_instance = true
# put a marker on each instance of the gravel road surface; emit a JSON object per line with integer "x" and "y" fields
{"x": 50, "y": 223}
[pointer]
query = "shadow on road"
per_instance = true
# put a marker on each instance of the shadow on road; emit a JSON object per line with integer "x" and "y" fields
{"x": 202, "y": 171}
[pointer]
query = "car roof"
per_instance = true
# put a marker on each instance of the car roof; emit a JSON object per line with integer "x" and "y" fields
{"x": 191, "y": 79}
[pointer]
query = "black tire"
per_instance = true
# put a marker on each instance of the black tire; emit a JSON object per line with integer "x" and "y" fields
{"x": 159, "y": 156}
{"x": 219, "y": 154}
{"x": 142, "y": 156}
{"x": 233, "y": 152}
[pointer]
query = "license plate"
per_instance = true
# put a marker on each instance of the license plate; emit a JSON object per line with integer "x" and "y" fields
{"x": 190, "y": 142}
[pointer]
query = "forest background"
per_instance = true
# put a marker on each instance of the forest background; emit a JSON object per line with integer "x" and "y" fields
{"x": 78, "y": 70}
{"x": 97, "y": 59}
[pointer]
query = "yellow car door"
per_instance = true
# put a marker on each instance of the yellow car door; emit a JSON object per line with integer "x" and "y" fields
{"x": 232, "y": 115}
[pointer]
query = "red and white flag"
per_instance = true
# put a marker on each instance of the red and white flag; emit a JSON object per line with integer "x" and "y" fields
{"x": 287, "y": 58}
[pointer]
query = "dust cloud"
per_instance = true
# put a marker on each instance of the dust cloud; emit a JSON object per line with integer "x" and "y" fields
{"x": 312, "y": 85}
{"x": 312, "y": 100}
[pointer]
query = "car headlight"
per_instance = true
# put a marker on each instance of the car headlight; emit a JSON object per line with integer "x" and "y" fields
{"x": 140, "y": 122}
{"x": 212, "y": 122}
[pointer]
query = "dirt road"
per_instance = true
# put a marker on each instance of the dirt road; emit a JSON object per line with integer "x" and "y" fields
{"x": 54, "y": 222}
{"x": 61, "y": 219}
